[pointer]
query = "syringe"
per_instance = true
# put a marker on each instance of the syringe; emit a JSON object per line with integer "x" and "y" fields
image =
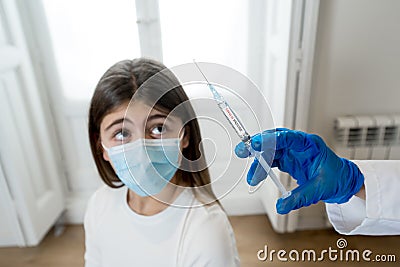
{"x": 244, "y": 136}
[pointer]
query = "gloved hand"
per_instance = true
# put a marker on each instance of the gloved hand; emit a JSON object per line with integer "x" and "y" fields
{"x": 320, "y": 173}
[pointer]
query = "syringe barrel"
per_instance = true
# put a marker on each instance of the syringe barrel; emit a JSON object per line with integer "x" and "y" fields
{"x": 234, "y": 121}
{"x": 229, "y": 114}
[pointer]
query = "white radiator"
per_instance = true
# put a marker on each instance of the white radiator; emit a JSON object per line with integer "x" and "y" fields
{"x": 368, "y": 137}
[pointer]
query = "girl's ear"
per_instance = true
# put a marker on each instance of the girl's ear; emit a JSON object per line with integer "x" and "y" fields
{"x": 105, "y": 155}
{"x": 186, "y": 138}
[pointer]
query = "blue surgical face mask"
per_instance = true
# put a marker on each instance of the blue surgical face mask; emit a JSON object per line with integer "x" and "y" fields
{"x": 146, "y": 165}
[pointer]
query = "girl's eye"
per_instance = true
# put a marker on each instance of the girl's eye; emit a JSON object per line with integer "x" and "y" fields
{"x": 122, "y": 135}
{"x": 158, "y": 130}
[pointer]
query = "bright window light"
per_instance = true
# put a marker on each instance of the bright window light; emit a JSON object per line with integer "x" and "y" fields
{"x": 207, "y": 30}
{"x": 88, "y": 37}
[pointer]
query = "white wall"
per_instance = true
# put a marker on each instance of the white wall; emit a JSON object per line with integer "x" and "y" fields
{"x": 356, "y": 70}
{"x": 357, "y": 61}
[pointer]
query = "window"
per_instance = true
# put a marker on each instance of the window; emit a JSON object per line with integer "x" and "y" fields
{"x": 88, "y": 37}
{"x": 207, "y": 30}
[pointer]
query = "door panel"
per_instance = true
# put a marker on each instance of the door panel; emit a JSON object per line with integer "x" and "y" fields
{"x": 27, "y": 154}
{"x": 10, "y": 228}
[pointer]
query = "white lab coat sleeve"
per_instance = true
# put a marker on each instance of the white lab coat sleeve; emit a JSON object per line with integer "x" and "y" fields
{"x": 379, "y": 214}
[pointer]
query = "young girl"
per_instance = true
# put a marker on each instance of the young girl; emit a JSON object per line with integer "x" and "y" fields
{"x": 149, "y": 213}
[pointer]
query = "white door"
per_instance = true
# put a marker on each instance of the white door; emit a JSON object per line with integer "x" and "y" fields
{"x": 289, "y": 50}
{"x": 30, "y": 178}
{"x": 10, "y": 228}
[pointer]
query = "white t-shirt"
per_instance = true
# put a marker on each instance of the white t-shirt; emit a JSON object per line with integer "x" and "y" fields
{"x": 117, "y": 236}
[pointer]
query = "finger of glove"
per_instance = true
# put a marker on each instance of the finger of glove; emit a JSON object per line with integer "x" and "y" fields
{"x": 256, "y": 173}
{"x": 280, "y": 138}
{"x": 292, "y": 140}
{"x": 241, "y": 150}
{"x": 302, "y": 196}
{"x": 264, "y": 141}
{"x": 281, "y": 130}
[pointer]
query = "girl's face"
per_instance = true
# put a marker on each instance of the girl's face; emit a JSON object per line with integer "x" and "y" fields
{"x": 141, "y": 121}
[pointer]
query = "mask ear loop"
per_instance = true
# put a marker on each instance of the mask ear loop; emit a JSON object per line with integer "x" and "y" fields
{"x": 180, "y": 138}
{"x": 182, "y": 134}
{"x": 105, "y": 148}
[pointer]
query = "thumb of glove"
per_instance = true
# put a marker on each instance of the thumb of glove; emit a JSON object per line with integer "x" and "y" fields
{"x": 302, "y": 196}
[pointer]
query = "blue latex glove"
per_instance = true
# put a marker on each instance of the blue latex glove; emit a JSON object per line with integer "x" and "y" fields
{"x": 320, "y": 173}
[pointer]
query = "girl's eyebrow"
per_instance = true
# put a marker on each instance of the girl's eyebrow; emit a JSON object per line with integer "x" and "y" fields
{"x": 156, "y": 116}
{"x": 118, "y": 121}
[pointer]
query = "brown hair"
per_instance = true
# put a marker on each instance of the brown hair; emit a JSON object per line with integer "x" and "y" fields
{"x": 117, "y": 86}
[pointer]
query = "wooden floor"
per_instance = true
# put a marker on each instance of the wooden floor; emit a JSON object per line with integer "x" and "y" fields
{"x": 253, "y": 233}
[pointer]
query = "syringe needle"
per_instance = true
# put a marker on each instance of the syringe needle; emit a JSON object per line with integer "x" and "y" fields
{"x": 235, "y": 122}
{"x": 204, "y": 76}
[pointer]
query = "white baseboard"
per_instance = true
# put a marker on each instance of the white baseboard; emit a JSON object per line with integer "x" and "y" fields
{"x": 76, "y": 207}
